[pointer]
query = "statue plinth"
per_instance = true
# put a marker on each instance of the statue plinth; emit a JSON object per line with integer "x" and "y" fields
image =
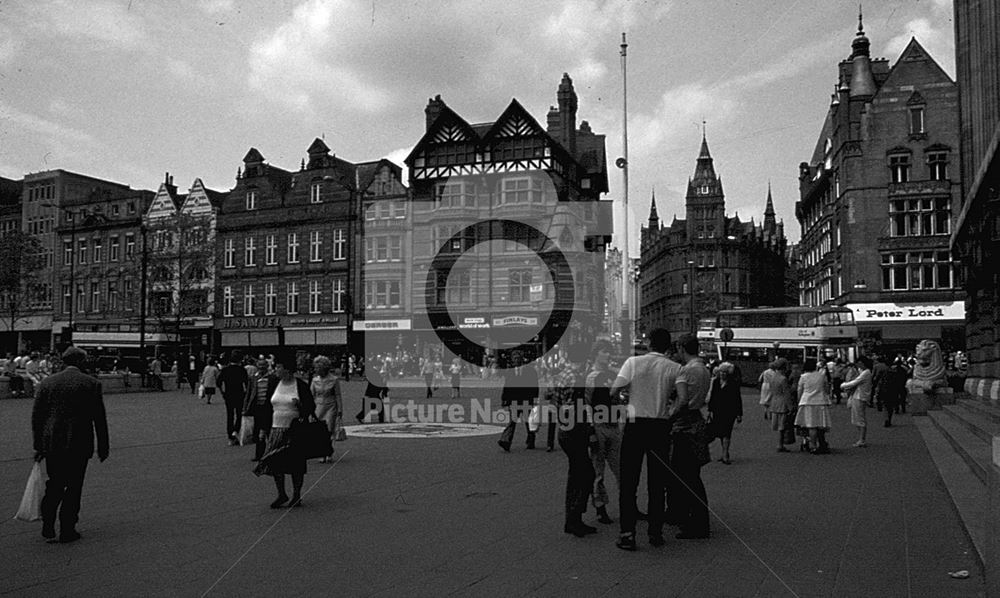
{"x": 928, "y": 388}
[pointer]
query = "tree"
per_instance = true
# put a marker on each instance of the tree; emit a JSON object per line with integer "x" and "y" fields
{"x": 21, "y": 259}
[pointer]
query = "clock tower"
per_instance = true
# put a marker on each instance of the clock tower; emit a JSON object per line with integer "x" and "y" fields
{"x": 706, "y": 205}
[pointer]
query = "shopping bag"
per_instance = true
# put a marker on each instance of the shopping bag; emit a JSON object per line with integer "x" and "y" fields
{"x": 339, "y": 434}
{"x": 31, "y": 502}
{"x": 534, "y": 418}
{"x": 201, "y": 391}
{"x": 311, "y": 439}
{"x": 246, "y": 430}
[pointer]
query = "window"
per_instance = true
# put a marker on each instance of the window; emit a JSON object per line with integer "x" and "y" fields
{"x": 129, "y": 245}
{"x": 270, "y": 299}
{"x": 67, "y": 252}
{"x": 398, "y": 209}
{"x": 937, "y": 166}
{"x": 381, "y": 294}
{"x": 452, "y": 195}
{"x": 271, "y": 250}
{"x": 128, "y": 298}
{"x": 899, "y": 168}
{"x": 521, "y": 190}
{"x": 916, "y": 120}
{"x": 338, "y": 295}
{"x": 131, "y": 207}
{"x": 81, "y": 253}
{"x": 227, "y": 301}
{"x": 520, "y": 285}
{"x": 98, "y": 248}
{"x": 66, "y": 298}
{"x": 115, "y": 210}
{"x": 315, "y": 246}
{"x": 460, "y": 286}
{"x": 229, "y": 254}
{"x": 248, "y": 300}
{"x": 81, "y": 299}
{"x": 340, "y": 244}
{"x": 314, "y": 291}
{"x": 114, "y": 249}
{"x": 293, "y": 248}
{"x": 314, "y": 193}
{"x": 250, "y": 251}
{"x": 919, "y": 217}
{"x": 95, "y": 296}
{"x": 292, "y": 298}
{"x": 371, "y": 212}
{"x": 251, "y": 200}
{"x": 918, "y": 270}
{"x": 395, "y": 248}
{"x": 112, "y": 296}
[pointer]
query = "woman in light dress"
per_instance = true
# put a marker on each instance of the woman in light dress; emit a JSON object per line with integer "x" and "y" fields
{"x": 325, "y": 388}
{"x": 814, "y": 406}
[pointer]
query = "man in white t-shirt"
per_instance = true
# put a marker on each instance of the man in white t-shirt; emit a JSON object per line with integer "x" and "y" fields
{"x": 650, "y": 381}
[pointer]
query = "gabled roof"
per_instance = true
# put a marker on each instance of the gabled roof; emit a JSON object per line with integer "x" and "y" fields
{"x": 215, "y": 198}
{"x": 515, "y": 121}
{"x": 253, "y": 156}
{"x": 318, "y": 147}
{"x": 448, "y": 126}
{"x": 914, "y": 53}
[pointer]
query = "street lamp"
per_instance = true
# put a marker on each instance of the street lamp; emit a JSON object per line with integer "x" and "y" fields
{"x": 72, "y": 261}
{"x": 691, "y": 293}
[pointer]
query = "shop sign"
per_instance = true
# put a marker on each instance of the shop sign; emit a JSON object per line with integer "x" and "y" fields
{"x": 908, "y": 312}
{"x": 515, "y": 321}
{"x": 373, "y": 325}
{"x": 474, "y": 323}
{"x": 263, "y": 322}
{"x": 313, "y": 320}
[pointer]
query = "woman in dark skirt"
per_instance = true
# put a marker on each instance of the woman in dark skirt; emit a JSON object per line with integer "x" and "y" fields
{"x": 725, "y": 406}
{"x": 291, "y": 402}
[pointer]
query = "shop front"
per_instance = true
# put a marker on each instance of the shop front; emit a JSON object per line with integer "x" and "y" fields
{"x": 891, "y": 328}
{"x": 315, "y": 334}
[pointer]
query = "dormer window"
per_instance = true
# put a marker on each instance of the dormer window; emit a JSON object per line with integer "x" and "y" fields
{"x": 917, "y": 120}
{"x": 899, "y": 168}
{"x": 314, "y": 193}
{"x": 251, "y": 200}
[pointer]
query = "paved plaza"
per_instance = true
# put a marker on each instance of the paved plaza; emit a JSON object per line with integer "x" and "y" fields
{"x": 176, "y": 512}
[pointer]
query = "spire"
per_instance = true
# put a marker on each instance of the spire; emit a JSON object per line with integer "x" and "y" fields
{"x": 770, "y": 225}
{"x": 769, "y": 210}
{"x": 704, "y": 144}
{"x": 654, "y": 219}
{"x": 704, "y": 171}
{"x": 862, "y": 80}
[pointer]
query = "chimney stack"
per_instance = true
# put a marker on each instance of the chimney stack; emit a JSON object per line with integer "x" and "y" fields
{"x": 567, "y": 113}
{"x": 433, "y": 110}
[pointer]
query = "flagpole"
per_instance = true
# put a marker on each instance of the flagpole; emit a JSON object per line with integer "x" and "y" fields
{"x": 628, "y": 291}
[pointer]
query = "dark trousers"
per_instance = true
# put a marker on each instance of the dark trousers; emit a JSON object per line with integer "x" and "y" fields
{"x": 64, "y": 487}
{"x": 647, "y": 438}
{"x": 688, "y": 500}
{"x": 260, "y": 433}
{"x": 234, "y": 416}
{"x": 580, "y": 481}
{"x": 550, "y": 440}
{"x": 193, "y": 381}
{"x": 517, "y": 411}
{"x": 369, "y": 403}
{"x": 429, "y": 382}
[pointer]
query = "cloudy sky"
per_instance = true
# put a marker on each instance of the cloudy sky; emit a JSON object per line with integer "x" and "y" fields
{"x": 129, "y": 89}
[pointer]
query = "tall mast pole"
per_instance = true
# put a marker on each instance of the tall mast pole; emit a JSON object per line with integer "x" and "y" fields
{"x": 627, "y": 290}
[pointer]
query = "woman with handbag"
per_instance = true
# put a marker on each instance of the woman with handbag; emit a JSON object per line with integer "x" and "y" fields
{"x": 291, "y": 404}
{"x": 725, "y": 406}
{"x": 325, "y": 387}
{"x": 780, "y": 402}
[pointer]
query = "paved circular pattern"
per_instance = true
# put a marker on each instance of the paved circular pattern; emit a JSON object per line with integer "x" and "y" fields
{"x": 421, "y": 430}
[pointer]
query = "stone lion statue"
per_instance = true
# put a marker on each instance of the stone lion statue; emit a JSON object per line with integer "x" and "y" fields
{"x": 928, "y": 373}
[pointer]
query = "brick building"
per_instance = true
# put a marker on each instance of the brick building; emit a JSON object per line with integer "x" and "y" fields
{"x": 491, "y": 202}
{"x": 976, "y": 236}
{"x": 180, "y": 241}
{"x": 876, "y": 201}
{"x": 694, "y": 267}
{"x": 284, "y": 254}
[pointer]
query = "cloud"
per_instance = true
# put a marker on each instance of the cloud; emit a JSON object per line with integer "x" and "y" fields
{"x": 100, "y": 20}
{"x": 47, "y": 128}
{"x": 214, "y": 7}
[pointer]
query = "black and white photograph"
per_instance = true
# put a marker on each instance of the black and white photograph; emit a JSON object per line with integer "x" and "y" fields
{"x": 479, "y": 298}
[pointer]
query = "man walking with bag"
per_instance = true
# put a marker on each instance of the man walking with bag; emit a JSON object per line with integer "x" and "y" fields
{"x": 67, "y": 414}
{"x": 689, "y": 443}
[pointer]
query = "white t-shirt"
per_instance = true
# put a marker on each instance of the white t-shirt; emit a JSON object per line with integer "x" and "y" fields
{"x": 652, "y": 384}
{"x": 283, "y": 402}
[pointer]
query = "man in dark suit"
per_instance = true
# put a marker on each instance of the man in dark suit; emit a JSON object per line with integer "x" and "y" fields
{"x": 68, "y": 412}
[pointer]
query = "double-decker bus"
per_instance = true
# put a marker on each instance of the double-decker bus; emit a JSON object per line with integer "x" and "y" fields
{"x": 759, "y": 335}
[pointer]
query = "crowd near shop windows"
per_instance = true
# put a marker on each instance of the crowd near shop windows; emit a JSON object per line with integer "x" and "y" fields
{"x": 270, "y": 299}
{"x": 382, "y": 294}
{"x": 919, "y": 217}
{"x": 250, "y": 251}
{"x": 251, "y": 200}
{"x": 521, "y": 190}
{"x": 292, "y": 298}
{"x": 339, "y": 244}
{"x": 315, "y": 246}
{"x": 918, "y": 270}
{"x": 520, "y": 285}
{"x": 899, "y": 168}
{"x": 229, "y": 254}
{"x": 271, "y": 250}
{"x": 293, "y": 248}
{"x": 227, "y": 301}
{"x": 338, "y": 295}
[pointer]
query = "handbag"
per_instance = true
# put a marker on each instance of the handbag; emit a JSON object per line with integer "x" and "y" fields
{"x": 534, "y": 418}
{"x": 31, "y": 502}
{"x": 246, "y": 430}
{"x": 311, "y": 439}
{"x": 339, "y": 433}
